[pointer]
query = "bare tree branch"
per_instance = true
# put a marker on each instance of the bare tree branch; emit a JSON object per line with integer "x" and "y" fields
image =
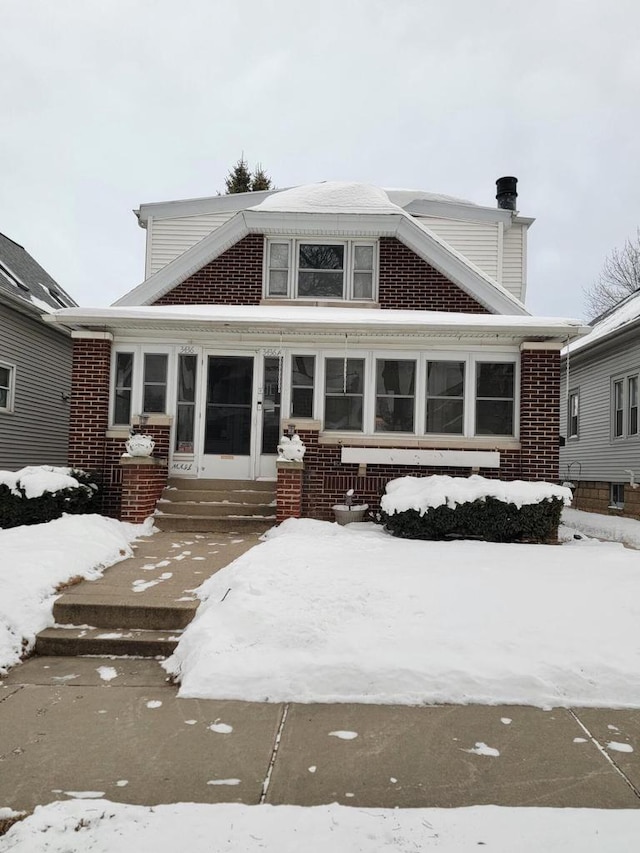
{"x": 619, "y": 277}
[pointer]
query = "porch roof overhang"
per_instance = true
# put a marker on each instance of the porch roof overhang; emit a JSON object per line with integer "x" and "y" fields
{"x": 268, "y": 322}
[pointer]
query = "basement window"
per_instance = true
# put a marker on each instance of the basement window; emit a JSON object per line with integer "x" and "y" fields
{"x": 617, "y": 496}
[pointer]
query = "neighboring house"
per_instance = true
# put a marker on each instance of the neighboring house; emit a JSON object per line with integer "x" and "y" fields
{"x": 35, "y": 363}
{"x": 386, "y": 326}
{"x": 600, "y": 376}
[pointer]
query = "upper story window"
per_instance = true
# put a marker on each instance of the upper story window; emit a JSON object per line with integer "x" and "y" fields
{"x": 7, "y": 383}
{"x": 341, "y": 270}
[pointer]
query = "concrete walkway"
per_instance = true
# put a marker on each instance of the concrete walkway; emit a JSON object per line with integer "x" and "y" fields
{"x": 115, "y": 728}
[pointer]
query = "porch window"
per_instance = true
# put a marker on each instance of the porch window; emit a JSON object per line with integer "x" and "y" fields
{"x": 123, "y": 386}
{"x": 7, "y": 384}
{"x": 445, "y": 397}
{"x": 271, "y": 404}
{"x": 302, "y": 384}
{"x": 632, "y": 404}
{"x": 154, "y": 392}
{"x": 618, "y": 408}
{"x": 186, "y": 403}
{"x": 344, "y": 394}
{"x": 573, "y": 408}
{"x": 495, "y": 388}
{"x": 395, "y": 395}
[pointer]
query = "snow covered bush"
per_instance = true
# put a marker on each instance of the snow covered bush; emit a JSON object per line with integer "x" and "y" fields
{"x": 37, "y": 494}
{"x": 473, "y": 507}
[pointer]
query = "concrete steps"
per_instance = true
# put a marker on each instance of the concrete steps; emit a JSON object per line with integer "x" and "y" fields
{"x": 107, "y": 613}
{"x": 72, "y": 641}
{"x": 217, "y": 506}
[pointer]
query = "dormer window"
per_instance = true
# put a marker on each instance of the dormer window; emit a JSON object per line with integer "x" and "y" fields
{"x": 305, "y": 269}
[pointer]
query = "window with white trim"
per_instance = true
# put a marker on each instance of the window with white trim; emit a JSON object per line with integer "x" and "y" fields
{"x": 344, "y": 394}
{"x": 123, "y": 386}
{"x": 495, "y": 398}
{"x": 445, "y": 397}
{"x": 186, "y": 403}
{"x": 303, "y": 368}
{"x": 7, "y": 385}
{"x": 624, "y": 406}
{"x": 632, "y": 405}
{"x": 573, "y": 408}
{"x": 327, "y": 270}
{"x": 154, "y": 389}
{"x": 616, "y": 497}
{"x": 395, "y": 395}
{"x": 618, "y": 408}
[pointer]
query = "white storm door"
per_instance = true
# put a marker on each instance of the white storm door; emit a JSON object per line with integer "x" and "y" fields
{"x": 229, "y": 439}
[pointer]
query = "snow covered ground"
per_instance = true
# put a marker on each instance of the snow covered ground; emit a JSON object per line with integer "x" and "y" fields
{"x": 103, "y": 827}
{"x": 323, "y": 613}
{"x": 35, "y": 559}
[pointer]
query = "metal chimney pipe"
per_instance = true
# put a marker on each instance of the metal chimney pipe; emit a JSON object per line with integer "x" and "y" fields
{"x": 507, "y": 193}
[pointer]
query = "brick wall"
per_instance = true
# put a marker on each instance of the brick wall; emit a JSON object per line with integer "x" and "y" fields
{"x": 289, "y": 490}
{"x": 595, "y": 496}
{"x": 142, "y": 485}
{"x": 407, "y": 282}
{"x": 234, "y": 278}
{"x": 540, "y": 414}
{"x": 113, "y": 471}
{"x": 89, "y": 409}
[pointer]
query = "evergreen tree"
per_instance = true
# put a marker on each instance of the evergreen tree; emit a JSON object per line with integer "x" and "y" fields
{"x": 260, "y": 179}
{"x": 239, "y": 178}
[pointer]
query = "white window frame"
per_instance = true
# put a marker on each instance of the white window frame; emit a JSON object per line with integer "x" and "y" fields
{"x": 470, "y": 359}
{"x": 11, "y": 387}
{"x": 348, "y": 271}
{"x": 573, "y": 395}
{"x": 139, "y": 350}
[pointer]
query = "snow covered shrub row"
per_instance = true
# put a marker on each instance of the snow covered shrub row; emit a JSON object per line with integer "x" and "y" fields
{"x": 37, "y": 494}
{"x": 473, "y": 508}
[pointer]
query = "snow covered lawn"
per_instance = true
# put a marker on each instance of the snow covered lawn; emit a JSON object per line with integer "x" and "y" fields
{"x": 104, "y": 827}
{"x": 37, "y": 558}
{"x": 323, "y": 613}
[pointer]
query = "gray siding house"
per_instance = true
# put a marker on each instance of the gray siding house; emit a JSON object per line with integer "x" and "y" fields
{"x": 35, "y": 363}
{"x": 599, "y": 413}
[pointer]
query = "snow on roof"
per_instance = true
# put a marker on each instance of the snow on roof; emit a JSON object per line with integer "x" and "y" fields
{"x": 330, "y": 197}
{"x": 309, "y": 316}
{"x": 404, "y": 197}
{"x": 615, "y": 320}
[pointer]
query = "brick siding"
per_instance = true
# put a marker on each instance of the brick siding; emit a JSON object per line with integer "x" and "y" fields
{"x": 289, "y": 490}
{"x": 89, "y": 409}
{"x": 142, "y": 485}
{"x": 234, "y": 278}
{"x": 407, "y": 282}
{"x": 540, "y": 414}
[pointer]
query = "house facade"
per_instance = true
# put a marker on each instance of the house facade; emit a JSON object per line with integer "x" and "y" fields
{"x": 599, "y": 414}
{"x": 35, "y": 363}
{"x": 386, "y": 327}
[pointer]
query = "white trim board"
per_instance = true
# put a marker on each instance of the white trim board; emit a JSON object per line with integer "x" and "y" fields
{"x": 404, "y": 456}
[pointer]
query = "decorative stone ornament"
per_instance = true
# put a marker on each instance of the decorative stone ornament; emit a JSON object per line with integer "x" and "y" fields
{"x": 291, "y": 449}
{"x": 140, "y": 445}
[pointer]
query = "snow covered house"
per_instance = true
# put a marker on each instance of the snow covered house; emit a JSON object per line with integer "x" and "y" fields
{"x": 35, "y": 363}
{"x": 386, "y": 327}
{"x": 599, "y": 413}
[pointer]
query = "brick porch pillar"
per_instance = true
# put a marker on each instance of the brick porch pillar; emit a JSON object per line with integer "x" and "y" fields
{"x": 289, "y": 490}
{"x": 540, "y": 410}
{"x": 143, "y": 479}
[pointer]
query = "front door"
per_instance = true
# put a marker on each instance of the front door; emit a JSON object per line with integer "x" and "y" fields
{"x": 229, "y": 418}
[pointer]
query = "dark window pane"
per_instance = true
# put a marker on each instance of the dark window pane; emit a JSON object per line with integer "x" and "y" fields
{"x": 445, "y": 379}
{"x": 394, "y": 414}
{"x": 495, "y": 379}
{"x": 187, "y": 365}
{"x": 445, "y": 416}
{"x": 228, "y": 430}
{"x": 230, "y": 380}
{"x": 270, "y": 429}
{"x": 4, "y": 377}
{"x": 4, "y": 398}
{"x": 154, "y": 398}
{"x": 184, "y": 428}
{"x": 302, "y": 402}
{"x": 122, "y": 413}
{"x": 155, "y": 368}
{"x": 494, "y": 417}
{"x": 303, "y": 370}
{"x": 320, "y": 284}
{"x": 124, "y": 369}
{"x": 314, "y": 256}
{"x": 395, "y": 377}
{"x": 335, "y": 376}
{"x": 343, "y": 413}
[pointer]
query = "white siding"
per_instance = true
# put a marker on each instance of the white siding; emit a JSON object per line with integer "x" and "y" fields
{"x": 513, "y": 276}
{"x": 169, "y": 238}
{"x": 477, "y": 241}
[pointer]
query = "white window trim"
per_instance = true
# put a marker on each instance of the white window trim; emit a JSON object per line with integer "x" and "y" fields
{"x": 348, "y": 273}
{"x": 11, "y": 395}
{"x": 623, "y": 379}
{"x": 139, "y": 351}
{"x": 575, "y": 392}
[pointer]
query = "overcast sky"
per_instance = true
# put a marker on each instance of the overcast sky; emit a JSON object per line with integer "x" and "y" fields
{"x": 106, "y": 105}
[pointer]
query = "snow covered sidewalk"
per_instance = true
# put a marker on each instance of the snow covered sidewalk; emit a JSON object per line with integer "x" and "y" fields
{"x": 36, "y": 559}
{"x": 321, "y": 613}
{"x": 104, "y": 827}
